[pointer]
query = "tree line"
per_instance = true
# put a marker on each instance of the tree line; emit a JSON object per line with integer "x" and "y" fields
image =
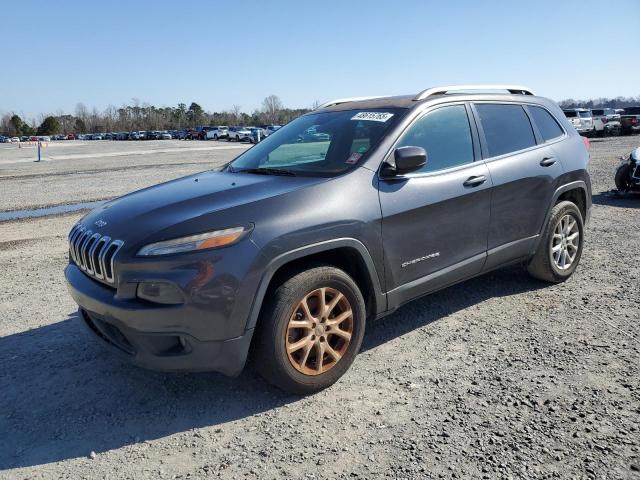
{"x": 137, "y": 116}
{"x": 618, "y": 102}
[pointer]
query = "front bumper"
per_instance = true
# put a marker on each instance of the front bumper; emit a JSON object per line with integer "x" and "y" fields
{"x": 153, "y": 336}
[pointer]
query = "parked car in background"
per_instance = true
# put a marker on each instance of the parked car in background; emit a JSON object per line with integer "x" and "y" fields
{"x": 272, "y": 128}
{"x": 581, "y": 119}
{"x": 218, "y": 132}
{"x": 4, "y": 139}
{"x": 194, "y": 134}
{"x": 606, "y": 121}
{"x": 71, "y": 136}
{"x": 238, "y": 134}
{"x": 165, "y": 136}
{"x": 15, "y": 139}
{"x": 630, "y": 120}
{"x": 97, "y": 136}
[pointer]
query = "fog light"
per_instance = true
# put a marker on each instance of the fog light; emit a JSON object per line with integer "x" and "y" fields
{"x": 159, "y": 292}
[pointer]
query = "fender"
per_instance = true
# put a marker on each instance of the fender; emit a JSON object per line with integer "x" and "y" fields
{"x": 280, "y": 260}
{"x": 581, "y": 184}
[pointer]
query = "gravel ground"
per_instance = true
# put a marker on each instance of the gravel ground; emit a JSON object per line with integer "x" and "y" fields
{"x": 498, "y": 377}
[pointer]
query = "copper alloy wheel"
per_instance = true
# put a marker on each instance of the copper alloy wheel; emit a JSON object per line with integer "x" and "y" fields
{"x": 319, "y": 331}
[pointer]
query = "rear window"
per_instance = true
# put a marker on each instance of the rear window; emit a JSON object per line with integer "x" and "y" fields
{"x": 585, "y": 114}
{"x": 506, "y": 128}
{"x": 632, "y": 111}
{"x": 570, "y": 114}
{"x": 597, "y": 112}
{"x": 547, "y": 125}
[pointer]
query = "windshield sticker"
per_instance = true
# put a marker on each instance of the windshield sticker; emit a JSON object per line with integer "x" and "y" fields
{"x": 373, "y": 116}
{"x": 355, "y": 156}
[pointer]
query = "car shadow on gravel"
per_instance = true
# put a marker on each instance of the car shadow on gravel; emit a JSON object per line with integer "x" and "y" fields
{"x": 64, "y": 396}
{"x": 418, "y": 313}
{"x": 614, "y": 199}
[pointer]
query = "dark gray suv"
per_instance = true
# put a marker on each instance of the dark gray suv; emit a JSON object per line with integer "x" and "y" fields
{"x": 336, "y": 219}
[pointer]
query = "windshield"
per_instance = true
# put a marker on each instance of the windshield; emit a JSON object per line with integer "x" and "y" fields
{"x": 632, "y": 111}
{"x": 320, "y": 144}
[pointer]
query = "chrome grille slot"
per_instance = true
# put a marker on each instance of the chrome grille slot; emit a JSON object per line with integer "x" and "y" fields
{"x": 93, "y": 253}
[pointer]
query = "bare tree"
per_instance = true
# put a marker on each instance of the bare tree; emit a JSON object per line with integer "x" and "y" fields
{"x": 271, "y": 107}
{"x": 236, "y": 112}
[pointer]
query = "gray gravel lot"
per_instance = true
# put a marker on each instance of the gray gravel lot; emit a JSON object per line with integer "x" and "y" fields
{"x": 499, "y": 377}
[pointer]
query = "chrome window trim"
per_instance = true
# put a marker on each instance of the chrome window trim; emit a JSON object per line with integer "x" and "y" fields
{"x": 524, "y": 150}
{"x": 419, "y": 115}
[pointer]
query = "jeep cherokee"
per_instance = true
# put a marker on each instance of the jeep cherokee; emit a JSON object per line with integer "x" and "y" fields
{"x": 334, "y": 220}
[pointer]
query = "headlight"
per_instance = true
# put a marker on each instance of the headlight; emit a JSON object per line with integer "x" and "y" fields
{"x": 202, "y": 241}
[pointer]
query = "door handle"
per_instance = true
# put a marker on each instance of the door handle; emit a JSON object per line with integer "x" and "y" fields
{"x": 547, "y": 161}
{"x": 475, "y": 181}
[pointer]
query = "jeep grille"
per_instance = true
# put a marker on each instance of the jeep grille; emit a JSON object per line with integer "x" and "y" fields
{"x": 93, "y": 253}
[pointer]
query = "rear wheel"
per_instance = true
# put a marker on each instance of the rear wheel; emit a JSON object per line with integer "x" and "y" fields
{"x": 560, "y": 248}
{"x": 311, "y": 330}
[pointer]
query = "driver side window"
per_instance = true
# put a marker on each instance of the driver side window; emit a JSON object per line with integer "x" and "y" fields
{"x": 446, "y": 136}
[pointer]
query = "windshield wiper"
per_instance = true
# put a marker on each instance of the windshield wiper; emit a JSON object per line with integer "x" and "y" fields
{"x": 265, "y": 171}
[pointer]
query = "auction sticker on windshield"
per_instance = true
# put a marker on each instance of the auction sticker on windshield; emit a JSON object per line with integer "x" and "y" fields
{"x": 373, "y": 116}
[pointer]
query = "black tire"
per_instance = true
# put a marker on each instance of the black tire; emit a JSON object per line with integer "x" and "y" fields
{"x": 623, "y": 177}
{"x": 215, "y": 137}
{"x": 542, "y": 266}
{"x": 269, "y": 349}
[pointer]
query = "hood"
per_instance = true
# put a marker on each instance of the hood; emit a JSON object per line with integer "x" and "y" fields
{"x": 187, "y": 205}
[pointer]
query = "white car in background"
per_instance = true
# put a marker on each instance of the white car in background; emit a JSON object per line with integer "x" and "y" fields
{"x": 218, "y": 132}
{"x": 606, "y": 121}
{"x": 239, "y": 134}
{"x": 581, "y": 119}
{"x": 15, "y": 140}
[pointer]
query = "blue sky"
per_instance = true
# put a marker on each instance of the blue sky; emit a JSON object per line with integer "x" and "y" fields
{"x": 237, "y": 52}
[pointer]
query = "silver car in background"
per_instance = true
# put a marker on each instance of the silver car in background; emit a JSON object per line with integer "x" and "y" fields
{"x": 581, "y": 119}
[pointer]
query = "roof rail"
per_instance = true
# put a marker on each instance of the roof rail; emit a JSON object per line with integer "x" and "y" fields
{"x": 514, "y": 89}
{"x": 346, "y": 100}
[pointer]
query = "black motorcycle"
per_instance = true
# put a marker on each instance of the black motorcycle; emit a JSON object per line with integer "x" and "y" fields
{"x": 628, "y": 173}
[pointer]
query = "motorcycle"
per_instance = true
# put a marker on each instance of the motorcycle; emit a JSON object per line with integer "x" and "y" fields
{"x": 627, "y": 176}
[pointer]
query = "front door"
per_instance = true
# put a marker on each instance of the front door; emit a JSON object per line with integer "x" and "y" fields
{"x": 435, "y": 221}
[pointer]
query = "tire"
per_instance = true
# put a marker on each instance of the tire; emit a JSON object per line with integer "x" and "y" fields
{"x": 544, "y": 264}
{"x": 215, "y": 137}
{"x": 297, "y": 371}
{"x": 622, "y": 178}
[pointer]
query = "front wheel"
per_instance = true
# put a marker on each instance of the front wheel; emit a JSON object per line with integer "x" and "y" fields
{"x": 561, "y": 245}
{"x": 310, "y": 331}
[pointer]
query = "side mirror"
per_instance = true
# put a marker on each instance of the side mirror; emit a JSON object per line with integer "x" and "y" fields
{"x": 407, "y": 160}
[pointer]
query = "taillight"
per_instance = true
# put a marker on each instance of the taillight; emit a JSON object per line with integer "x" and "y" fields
{"x": 605, "y": 119}
{"x": 587, "y": 145}
{"x": 634, "y": 120}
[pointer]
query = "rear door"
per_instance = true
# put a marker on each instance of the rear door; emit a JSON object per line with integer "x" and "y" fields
{"x": 524, "y": 168}
{"x": 435, "y": 221}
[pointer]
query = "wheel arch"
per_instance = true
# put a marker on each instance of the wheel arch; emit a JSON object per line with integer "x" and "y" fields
{"x": 348, "y": 254}
{"x": 577, "y": 192}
